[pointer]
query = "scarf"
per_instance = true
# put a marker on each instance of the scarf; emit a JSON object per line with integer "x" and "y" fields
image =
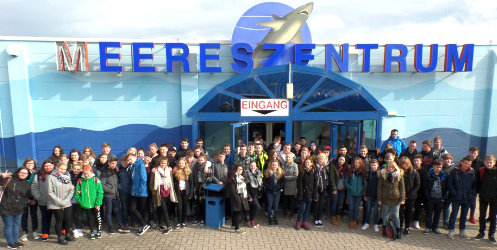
{"x": 254, "y": 178}
{"x": 163, "y": 178}
{"x": 241, "y": 187}
{"x": 64, "y": 178}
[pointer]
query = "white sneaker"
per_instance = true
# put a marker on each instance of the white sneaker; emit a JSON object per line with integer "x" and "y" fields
{"x": 463, "y": 234}
{"x": 365, "y": 226}
{"x": 80, "y": 232}
{"x": 376, "y": 228}
{"x": 451, "y": 234}
{"x": 75, "y": 233}
{"x": 24, "y": 237}
{"x": 416, "y": 224}
{"x": 36, "y": 235}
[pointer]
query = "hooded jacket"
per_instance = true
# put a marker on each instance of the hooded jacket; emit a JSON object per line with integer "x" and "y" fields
{"x": 125, "y": 178}
{"x": 15, "y": 197}
{"x": 139, "y": 179}
{"x": 398, "y": 144}
{"x": 110, "y": 182}
{"x": 355, "y": 185}
{"x": 89, "y": 192}
{"x": 391, "y": 189}
{"x": 430, "y": 179}
{"x": 412, "y": 183}
{"x": 59, "y": 193}
{"x": 307, "y": 186}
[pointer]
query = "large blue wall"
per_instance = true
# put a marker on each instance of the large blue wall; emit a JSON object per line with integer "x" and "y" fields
{"x": 42, "y": 107}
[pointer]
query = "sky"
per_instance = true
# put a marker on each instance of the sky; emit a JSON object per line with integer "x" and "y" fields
{"x": 351, "y": 21}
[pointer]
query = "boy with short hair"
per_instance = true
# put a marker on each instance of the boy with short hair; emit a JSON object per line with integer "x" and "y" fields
{"x": 410, "y": 151}
{"x": 448, "y": 167}
{"x": 183, "y": 148}
{"x": 417, "y": 164}
{"x": 487, "y": 188}
{"x": 242, "y": 157}
{"x": 438, "y": 149}
{"x": 110, "y": 181}
{"x": 434, "y": 188}
{"x": 427, "y": 153}
{"x": 476, "y": 164}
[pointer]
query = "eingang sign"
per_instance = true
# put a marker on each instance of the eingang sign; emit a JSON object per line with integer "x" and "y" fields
{"x": 264, "y": 107}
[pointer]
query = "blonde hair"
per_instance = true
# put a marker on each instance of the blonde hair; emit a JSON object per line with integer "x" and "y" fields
{"x": 182, "y": 173}
{"x": 269, "y": 171}
{"x": 325, "y": 158}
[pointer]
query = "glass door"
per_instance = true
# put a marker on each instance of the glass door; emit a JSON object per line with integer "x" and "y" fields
{"x": 239, "y": 132}
{"x": 345, "y": 133}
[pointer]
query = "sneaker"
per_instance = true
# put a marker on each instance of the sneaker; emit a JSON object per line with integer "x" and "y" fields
{"x": 297, "y": 225}
{"x": 167, "y": 230}
{"x": 437, "y": 231}
{"x": 407, "y": 231}
{"x": 320, "y": 223}
{"x": 240, "y": 231}
{"x": 463, "y": 234}
{"x": 376, "y": 228}
{"x": 75, "y": 232}
{"x": 18, "y": 244}
{"x": 427, "y": 231}
{"x": 250, "y": 224}
{"x": 196, "y": 222}
{"x": 12, "y": 246}
{"x": 24, "y": 237}
{"x": 146, "y": 227}
{"x": 99, "y": 235}
{"x": 44, "y": 237}
{"x": 80, "y": 232}
{"x": 110, "y": 231}
{"x": 416, "y": 224}
{"x": 365, "y": 226}
{"x": 256, "y": 224}
{"x": 161, "y": 227}
{"x": 92, "y": 236}
{"x": 492, "y": 240}
{"x": 178, "y": 226}
{"x": 316, "y": 223}
{"x": 479, "y": 237}
{"x": 451, "y": 234}
{"x": 472, "y": 220}
{"x": 202, "y": 223}
{"x": 183, "y": 225}
{"x": 123, "y": 230}
{"x": 275, "y": 223}
{"x": 305, "y": 226}
{"x": 36, "y": 235}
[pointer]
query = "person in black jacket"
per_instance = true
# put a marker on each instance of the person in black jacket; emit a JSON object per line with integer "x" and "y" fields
{"x": 182, "y": 185}
{"x": 410, "y": 151}
{"x": 16, "y": 195}
{"x": 110, "y": 184}
{"x": 307, "y": 191}
{"x": 461, "y": 185}
{"x": 434, "y": 188}
{"x": 476, "y": 164}
{"x": 412, "y": 183}
{"x": 371, "y": 197}
{"x": 274, "y": 181}
{"x": 255, "y": 185}
{"x": 238, "y": 195}
{"x": 487, "y": 188}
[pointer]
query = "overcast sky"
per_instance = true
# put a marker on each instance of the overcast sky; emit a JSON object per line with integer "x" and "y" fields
{"x": 351, "y": 21}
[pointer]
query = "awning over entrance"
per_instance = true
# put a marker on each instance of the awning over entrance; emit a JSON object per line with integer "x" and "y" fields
{"x": 319, "y": 95}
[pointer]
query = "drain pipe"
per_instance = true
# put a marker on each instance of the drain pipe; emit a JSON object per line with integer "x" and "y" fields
{"x": 3, "y": 143}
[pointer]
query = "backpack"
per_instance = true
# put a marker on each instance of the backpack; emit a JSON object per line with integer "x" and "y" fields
{"x": 391, "y": 230}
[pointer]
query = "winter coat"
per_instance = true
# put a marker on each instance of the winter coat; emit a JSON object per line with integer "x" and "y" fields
{"x": 430, "y": 179}
{"x": 110, "y": 182}
{"x": 39, "y": 189}
{"x": 487, "y": 184}
{"x": 477, "y": 164}
{"x": 307, "y": 186}
{"x": 261, "y": 160}
{"x": 139, "y": 179}
{"x": 322, "y": 176}
{"x": 155, "y": 193}
{"x": 254, "y": 182}
{"x": 272, "y": 186}
{"x": 59, "y": 194}
{"x": 412, "y": 183}
{"x": 291, "y": 173}
{"x": 332, "y": 177}
{"x": 245, "y": 161}
{"x": 355, "y": 185}
{"x": 371, "y": 189}
{"x": 15, "y": 197}
{"x": 125, "y": 179}
{"x": 238, "y": 203}
{"x": 398, "y": 144}
{"x": 220, "y": 172}
{"x": 407, "y": 154}
{"x": 391, "y": 189}
{"x": 462, "y": 185}
{"x": 89, "y": 192}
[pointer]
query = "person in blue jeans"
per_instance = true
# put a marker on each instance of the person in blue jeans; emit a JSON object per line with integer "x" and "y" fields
{"x": 110, "y": 181}
{"x": 461, "y": 186}
{"x": 370, "y": 196}
{"x": 355, "y": 188}
{"x": 307, "y": 191}
{"x": 125, "y": 177}
{"x": 16, "y": 195}
{"x": 337, "y": 199}
{"x": 274, "y": 181}
{"x": 391, "y": 194}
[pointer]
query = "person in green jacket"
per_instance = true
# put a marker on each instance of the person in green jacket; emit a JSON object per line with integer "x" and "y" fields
{"x": 89, "y": 194}
{"x": 355, "y": 186}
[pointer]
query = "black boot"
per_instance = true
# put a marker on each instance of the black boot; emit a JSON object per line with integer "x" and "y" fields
{"x": 406, "y": 231}
{"x": 61, "y": 240}
{"x": 398, "y": 236}
{"x": 384, "y": 231}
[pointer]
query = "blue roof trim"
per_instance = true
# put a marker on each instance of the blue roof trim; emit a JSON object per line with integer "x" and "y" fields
{"x": 357, "y": 88}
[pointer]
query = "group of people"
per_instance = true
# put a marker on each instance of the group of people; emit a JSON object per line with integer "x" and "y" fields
{"x": 152, "y": 188}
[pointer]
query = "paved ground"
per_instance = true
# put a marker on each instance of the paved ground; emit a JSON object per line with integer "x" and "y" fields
{"x": 265, "y": 237}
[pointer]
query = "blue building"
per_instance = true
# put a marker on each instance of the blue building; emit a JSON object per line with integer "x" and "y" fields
{"x": 45, "y": 102}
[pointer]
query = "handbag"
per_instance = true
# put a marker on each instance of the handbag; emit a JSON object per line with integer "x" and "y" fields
{"x": 2, "y": 188}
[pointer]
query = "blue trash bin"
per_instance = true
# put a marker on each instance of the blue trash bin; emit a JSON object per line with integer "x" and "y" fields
{"x": 214, "y": 206}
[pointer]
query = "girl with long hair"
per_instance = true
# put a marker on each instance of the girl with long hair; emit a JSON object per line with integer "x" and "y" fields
{"x": 274, "y": 182}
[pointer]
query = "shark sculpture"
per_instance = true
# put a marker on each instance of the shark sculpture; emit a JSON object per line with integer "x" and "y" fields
{"x": 284, "y": 30}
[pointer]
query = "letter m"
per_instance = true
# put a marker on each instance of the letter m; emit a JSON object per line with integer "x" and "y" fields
{"x": 77, "y": 61}
{"x": 461, "y": 62}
